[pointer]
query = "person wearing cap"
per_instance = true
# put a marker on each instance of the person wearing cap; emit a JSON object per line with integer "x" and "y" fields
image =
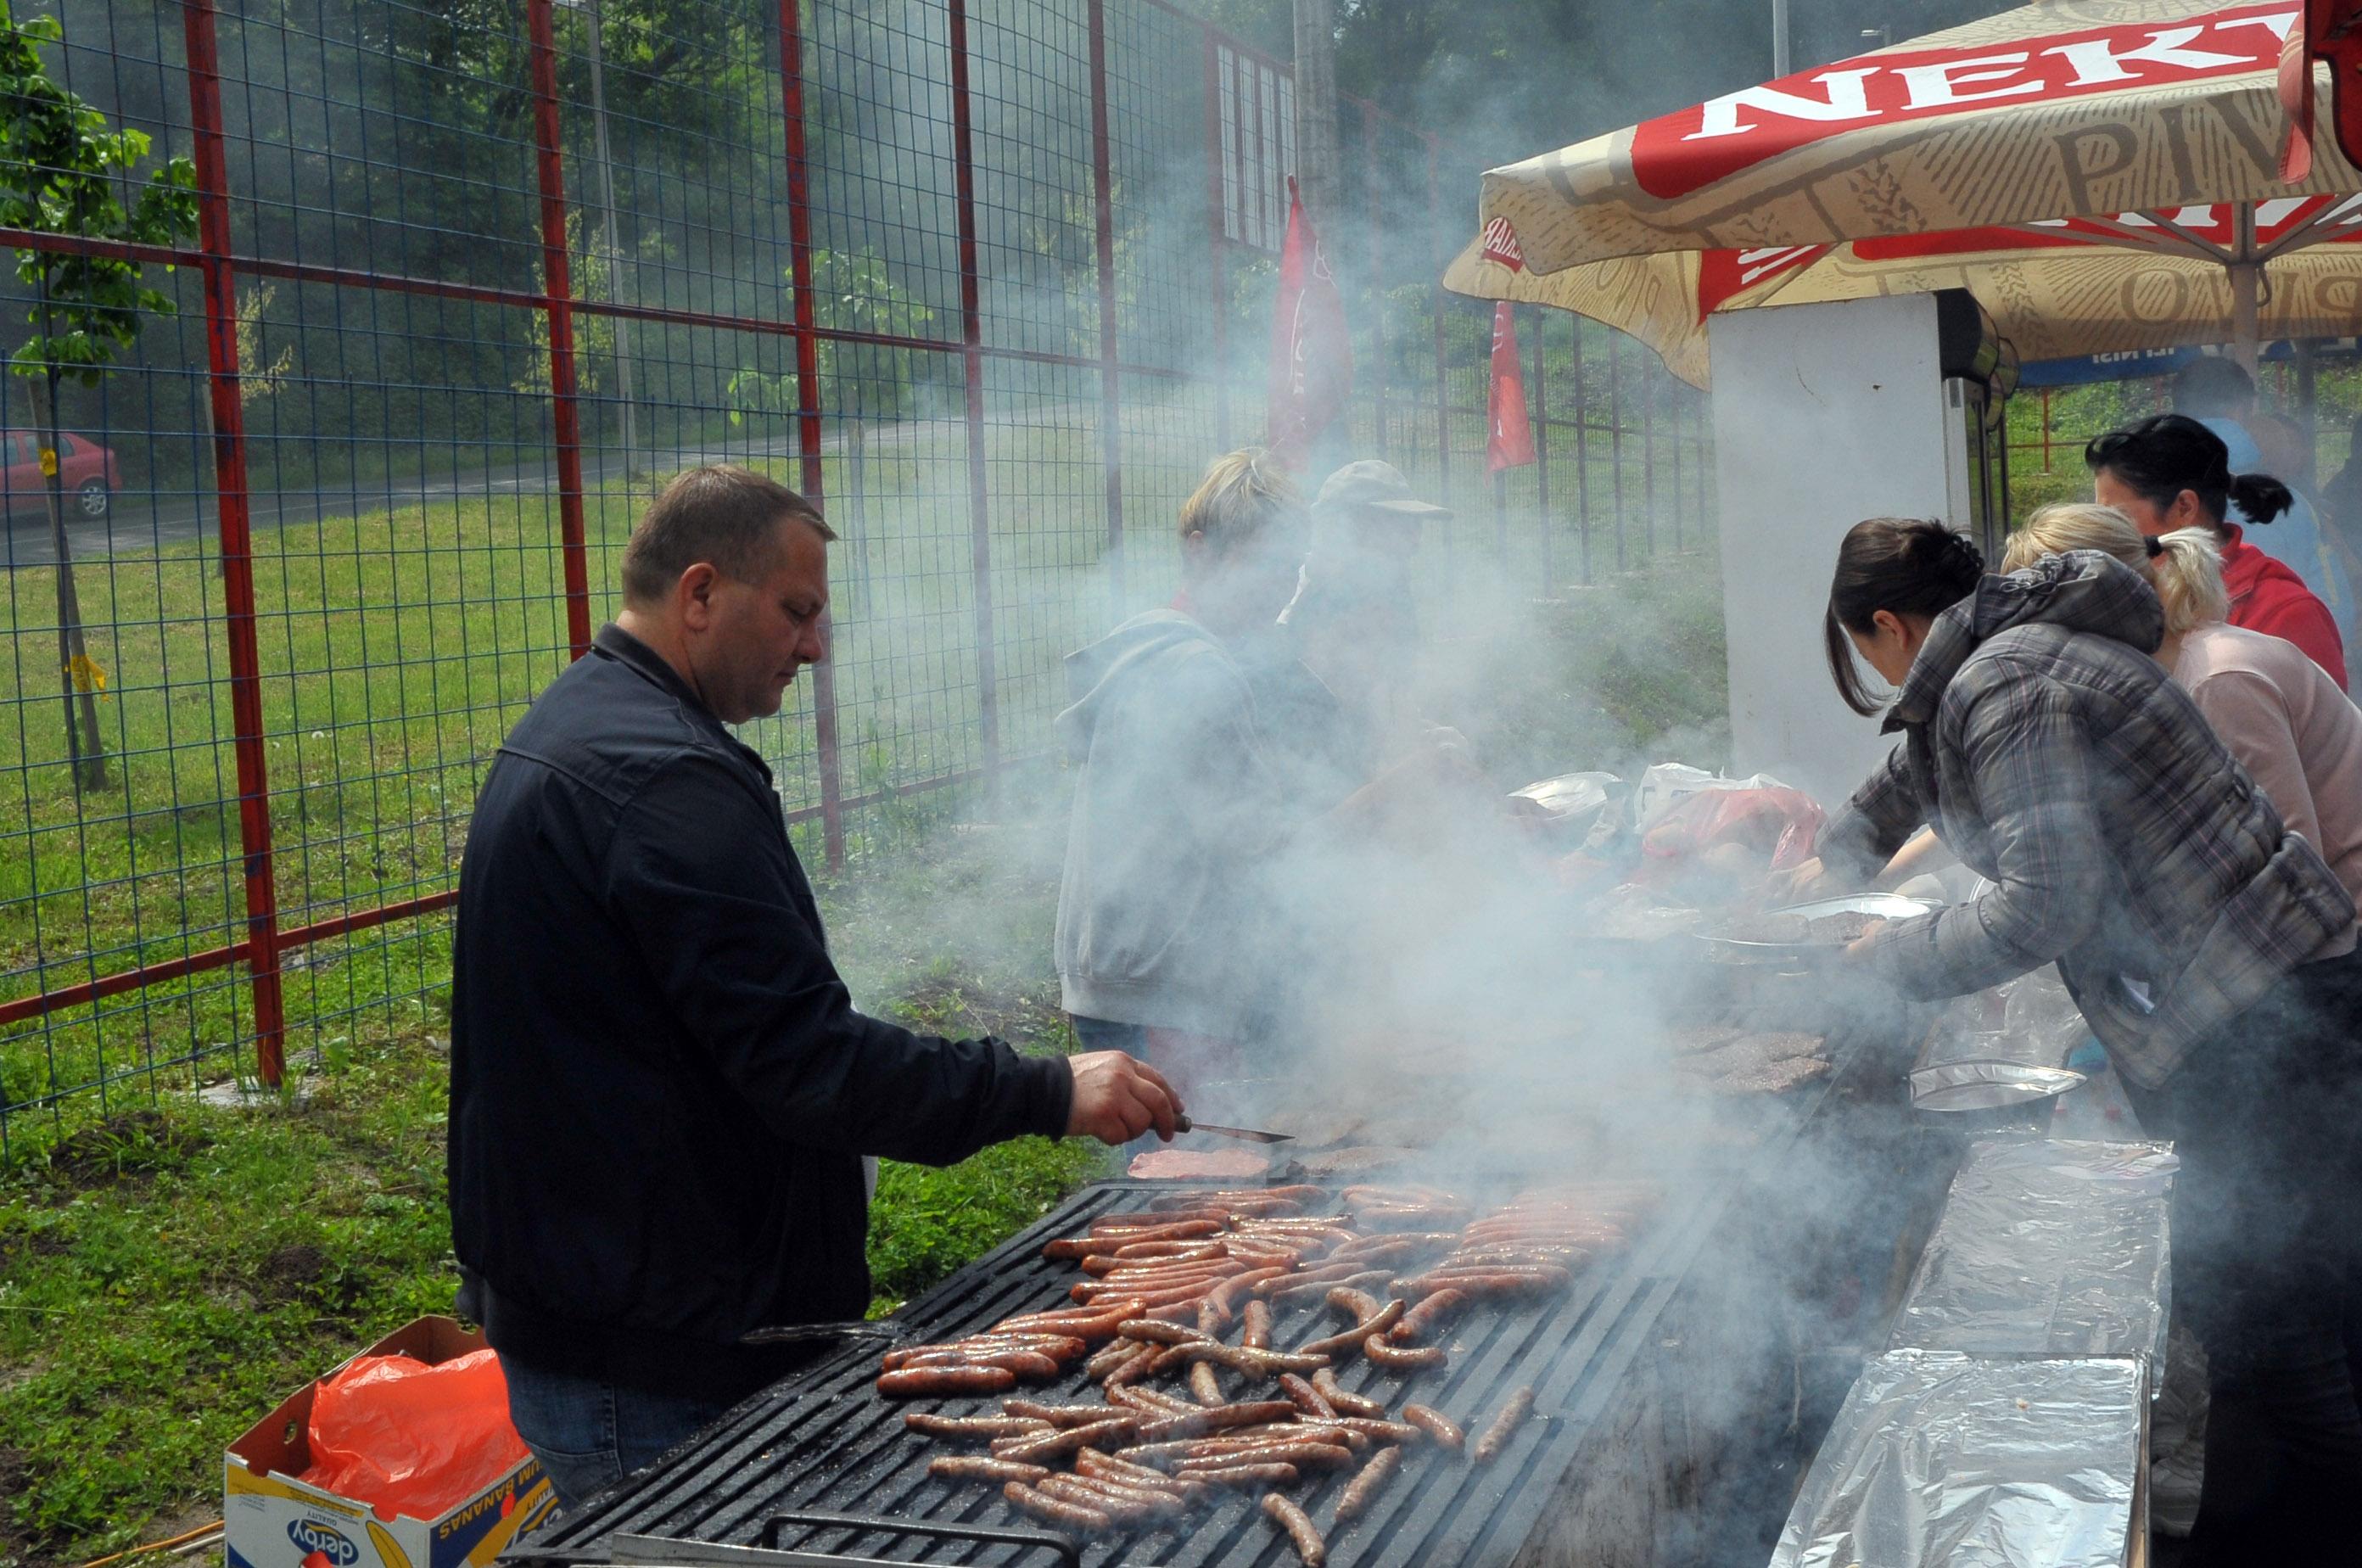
{"x": 1336, "y": 682}
{"x": 1184, "y": 796}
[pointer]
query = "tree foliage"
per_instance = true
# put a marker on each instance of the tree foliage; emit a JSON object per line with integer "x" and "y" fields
{"x": 63, "y": 170}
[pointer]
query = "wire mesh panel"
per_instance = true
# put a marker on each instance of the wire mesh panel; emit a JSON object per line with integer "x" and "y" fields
{"x": 447, "y": 294}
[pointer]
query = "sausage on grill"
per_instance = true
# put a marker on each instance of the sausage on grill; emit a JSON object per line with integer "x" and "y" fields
{"x": 939, "y": 1381}
{"x": 977, "y": 1467}
{"x": 1505, "y": 1426}
{"x": 1299, "y": 1526}
{"x": 1437, "y": 1425}
{"x": 1074, "y": 1516}
{"x": 1400, "y": 1358}
{"x": 1366, "y": 1486}
{"x": 1324, "y": 1383}
{"x": 928, "y": 1424}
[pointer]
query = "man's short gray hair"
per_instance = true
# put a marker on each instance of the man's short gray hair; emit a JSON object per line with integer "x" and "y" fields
{"x": 721, "y": 513}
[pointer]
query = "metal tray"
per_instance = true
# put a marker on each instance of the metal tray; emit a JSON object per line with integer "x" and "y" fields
{"x": 1987, "y": 1085}
{"x": 1741, "y": 950}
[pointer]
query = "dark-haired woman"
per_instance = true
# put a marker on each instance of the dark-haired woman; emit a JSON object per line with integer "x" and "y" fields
{"x": 2211, "y": 950}
{"x": 2170, "y": 472}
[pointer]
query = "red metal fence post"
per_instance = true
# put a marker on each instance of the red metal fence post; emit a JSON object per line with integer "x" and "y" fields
{"x": 808, "y": 424}
{"x": 972, "y": 336}
{"x": 1216, "y": 235}
{"x": 1374, "y": 193}
{"x": 237, "y": 543}
{"x": 565, "y": 416}
{"x": 1541, "y": 451}
{"x": 1582, "y": 454}
{"x": 1110, "y": 382}
{"x": 1436, "y": 299}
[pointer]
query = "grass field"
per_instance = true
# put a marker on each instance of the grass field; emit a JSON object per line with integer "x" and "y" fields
{"x": 169, "y": 1269}
{"x": 398, "y": 645}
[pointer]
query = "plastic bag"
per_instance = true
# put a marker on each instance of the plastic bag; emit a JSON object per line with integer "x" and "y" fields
{"x": 1773, "y": 825}
{"x": 409, "y": 1438}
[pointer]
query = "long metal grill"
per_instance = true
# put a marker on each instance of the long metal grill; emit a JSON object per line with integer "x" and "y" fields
{"x": 825, "y": 1440}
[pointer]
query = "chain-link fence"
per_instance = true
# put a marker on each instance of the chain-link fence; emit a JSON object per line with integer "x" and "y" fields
{"x": 459, "y": 282}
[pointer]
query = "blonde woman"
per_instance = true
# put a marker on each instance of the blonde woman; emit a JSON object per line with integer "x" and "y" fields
{"x": 2287, "y": 722}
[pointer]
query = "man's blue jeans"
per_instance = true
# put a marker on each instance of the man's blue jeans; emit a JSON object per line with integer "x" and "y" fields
{"x": 588, "y": 1434}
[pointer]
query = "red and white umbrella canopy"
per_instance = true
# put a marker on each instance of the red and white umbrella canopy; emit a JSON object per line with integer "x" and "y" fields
{"x": 2102, "y": 175}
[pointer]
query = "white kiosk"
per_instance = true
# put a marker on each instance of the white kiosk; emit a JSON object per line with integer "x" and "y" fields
{"x": 1824, "y": 414}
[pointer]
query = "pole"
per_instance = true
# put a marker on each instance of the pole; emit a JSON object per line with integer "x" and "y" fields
{"x": 565, "y": 411}
{"x": 1315, "y": 112}
{"x": 614, "y": 240}
{"x": 1215, "y": 234}
{"x": 1435, "y": 301}
{"x": 1541, "y": 450}
{"x": 2246, "y": 287}
{"x": 972, "y": 354}
{"x": 1373, "y": 200}
{"x": 1110, "y": 381}
{"x": 237, "y": 543}
{"x": 1780, "y": 61}
{"x": 1581, "y": 455}
{"x": 1616, "y": 438}
{"x": 808, "y": 425}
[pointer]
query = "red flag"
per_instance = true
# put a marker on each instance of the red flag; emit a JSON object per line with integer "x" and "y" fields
{"x": 1511, "y": 444}
{"x": 1311, "y": 360}
{"x": 2327, "y": 30}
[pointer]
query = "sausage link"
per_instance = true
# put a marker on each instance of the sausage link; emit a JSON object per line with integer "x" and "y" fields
{"x": 1149, "y": 1401}
{"x": 1205, "y": 1384}
{"x": 1355, "y": 1304}
{"x": 1074, "y": 1516}
{"x": 1197, "y": 1423}
{"x": 1120, "y": 1509}
{"x": 1053, "y": 1415}
{"x": 1247, "y": 1474}
{"x": 1299, "y": 1528}
{"x": 977, "y": 1467}
{"x": 1398, "y": 1358}
{"x": 928, "y": 1424}
{"x": 1307, "y": 1398}
{"x": 1114, "y": 1355}
{"x": 1155, "y": 1330}
{"x": 940, "y": 1381}
{"x": 1058, "y": 1442}
{"x": 1226, "y": 1295}
{"x": 1325, "y": 1383}
{"x": 1429, "y": 1316}
{"x": 1376, "y": 1431}
{"x": 1505, "y": 1426}
{"x": 1259, "y": 1364}
{"x": 1366, "y": 1486}
{"x": 1108, "y": 1467}
{"x": 1318, "y": 1455}
{"x": 1437, "y": 1425}
{"x": 1385, "y": 1317}
{"x": 1257, "y": 1334}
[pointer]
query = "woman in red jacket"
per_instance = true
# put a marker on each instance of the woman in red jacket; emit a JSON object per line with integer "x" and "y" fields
{"x": 2170, "y": 472}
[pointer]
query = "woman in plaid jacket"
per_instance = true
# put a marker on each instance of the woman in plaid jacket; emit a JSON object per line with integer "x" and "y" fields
{"x": 2211, "y": 951}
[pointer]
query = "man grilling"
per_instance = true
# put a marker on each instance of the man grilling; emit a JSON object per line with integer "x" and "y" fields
{"x": 660, "y": 1090}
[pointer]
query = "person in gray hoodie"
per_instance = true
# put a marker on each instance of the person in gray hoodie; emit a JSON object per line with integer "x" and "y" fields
{"x": 2211, "y": 951}
{"x": 1184, "y": 800}
{"x": 1178, "y": 791}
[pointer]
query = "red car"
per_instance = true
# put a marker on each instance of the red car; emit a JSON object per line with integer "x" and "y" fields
{"x": 87, "y": 469}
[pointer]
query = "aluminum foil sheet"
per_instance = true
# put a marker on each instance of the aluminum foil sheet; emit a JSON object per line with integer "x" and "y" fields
{"x": 1946, "y": 1460}
{"x": 2047, "y": 1248}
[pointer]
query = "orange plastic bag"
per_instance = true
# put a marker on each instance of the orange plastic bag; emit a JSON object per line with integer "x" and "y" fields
{"x": 408, "y": 1438}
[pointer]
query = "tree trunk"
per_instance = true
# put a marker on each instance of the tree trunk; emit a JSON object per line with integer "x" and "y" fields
{"x": 857, "y": 537}
{"x": 84, "y": 744}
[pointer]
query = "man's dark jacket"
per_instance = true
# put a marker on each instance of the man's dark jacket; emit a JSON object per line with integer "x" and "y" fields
{"x": 660, "y": 1090}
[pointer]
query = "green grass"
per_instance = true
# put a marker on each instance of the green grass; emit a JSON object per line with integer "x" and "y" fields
{"x": 168, "y": 1274}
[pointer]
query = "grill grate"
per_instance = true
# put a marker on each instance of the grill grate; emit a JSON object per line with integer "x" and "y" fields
{"x": 824, "y": 1440}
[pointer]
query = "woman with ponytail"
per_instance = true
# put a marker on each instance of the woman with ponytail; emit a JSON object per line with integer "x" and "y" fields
{"x": 2282, "y": 717}
{"x": 2211, "y": 950}
{"x": 2170, "y": 472}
